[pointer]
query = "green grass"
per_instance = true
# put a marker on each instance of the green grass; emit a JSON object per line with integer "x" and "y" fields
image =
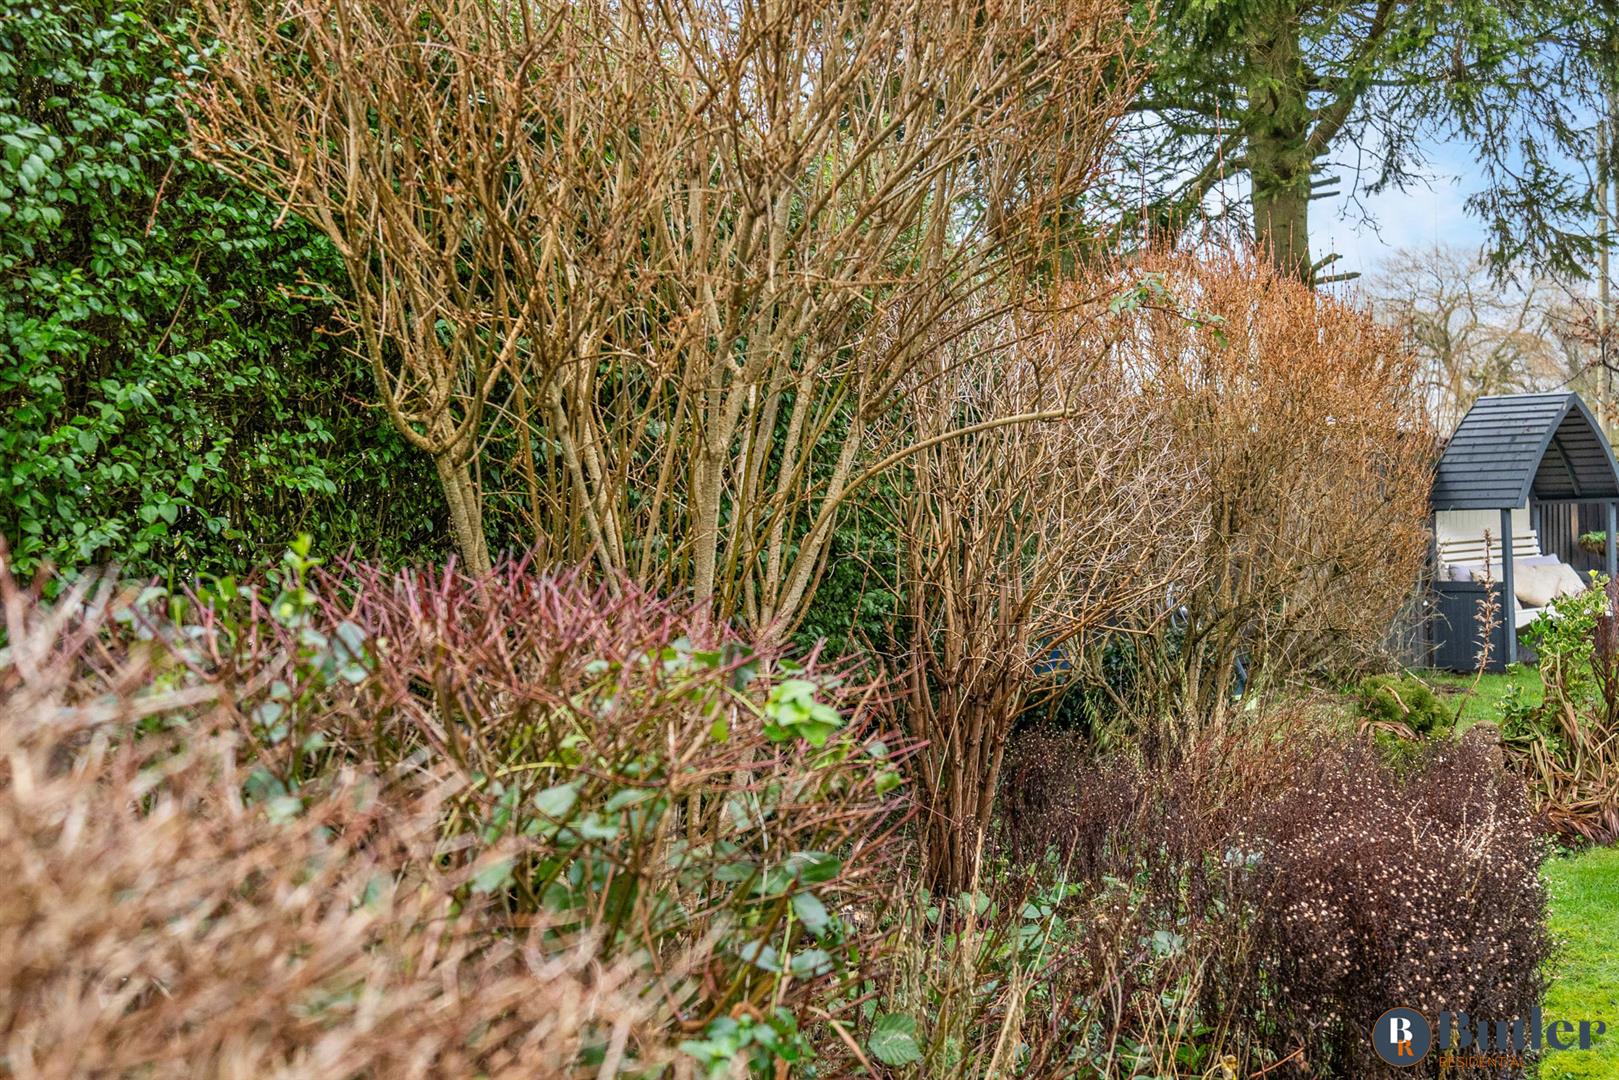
{"x": 1584, "y": 894}
{"x": 1585, "y": 981}
{"x": 1482, "y": 702}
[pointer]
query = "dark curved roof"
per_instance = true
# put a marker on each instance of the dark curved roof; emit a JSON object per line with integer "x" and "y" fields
{"x": 1509, "y": 447}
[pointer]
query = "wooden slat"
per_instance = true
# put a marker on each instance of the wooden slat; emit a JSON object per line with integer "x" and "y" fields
{"x": 1497, "y": 449}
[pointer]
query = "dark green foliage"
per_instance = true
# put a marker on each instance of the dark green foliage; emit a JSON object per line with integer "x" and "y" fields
{"x": 855, "y": 605}
{"x": 1406, "y": 700}
{"x": 1107, "y": 692}
{"x": 167, "y": 398}
{"x": 1300, "y": 96}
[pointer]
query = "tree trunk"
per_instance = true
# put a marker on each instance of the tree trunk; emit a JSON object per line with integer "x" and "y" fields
{"x": 466, "y": 512}
{"x": 1281, "y": 223}
{"x": 952, "y": 837}
{"x": 968, "y": 747}
{"x": 1279, "y": 161}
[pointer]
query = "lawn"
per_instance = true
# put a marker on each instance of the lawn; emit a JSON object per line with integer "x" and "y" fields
{"x": 1585, "y": 981}
{"x": 1483, "y": 701}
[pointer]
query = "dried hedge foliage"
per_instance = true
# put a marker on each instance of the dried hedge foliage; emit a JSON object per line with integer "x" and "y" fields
{"x": 418, "y": 824}
{"x": 1308, "y": 428}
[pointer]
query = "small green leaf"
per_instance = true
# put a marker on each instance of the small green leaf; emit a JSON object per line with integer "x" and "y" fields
{"x": 595, "y": 827}
{"x": 497, "y": 875}
{"x": 812, "y": 867}
{"x": 811, "y": 912}
{"x": 893, "y": 1040}
{"x": 793, "y": 690}
{"x": 625, "y": 797}
{"x": 556, "y": 802}
{"x": 810, "y": 963}
{"x": 735, "y": 872}
{"x": 283, "y": 808}
{"x": 760, "y": 955}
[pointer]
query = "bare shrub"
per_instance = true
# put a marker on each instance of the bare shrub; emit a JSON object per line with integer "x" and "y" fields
{"x": 1307, "y": 423}
{"x": 1378, "y": 891}
{"x": 155, "y": 919}
{"x": 691, "y": 249}
{"x": 1043, "y": 808}
{"x": 1264, "y": 890}
{"x": 424, "y": 823}
{"x": 1021, "y": 538}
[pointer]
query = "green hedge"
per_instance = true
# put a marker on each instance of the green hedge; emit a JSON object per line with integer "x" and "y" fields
{"x": 168, "y": 399}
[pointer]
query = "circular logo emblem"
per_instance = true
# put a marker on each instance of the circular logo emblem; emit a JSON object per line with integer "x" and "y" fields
{"x": 1402, "y": 1037}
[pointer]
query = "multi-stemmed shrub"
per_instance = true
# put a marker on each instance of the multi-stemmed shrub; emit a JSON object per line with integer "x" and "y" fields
{"x": 1020, "y": 543}
{"x": 262, "y": 824}
{"x": 687, "y": 255}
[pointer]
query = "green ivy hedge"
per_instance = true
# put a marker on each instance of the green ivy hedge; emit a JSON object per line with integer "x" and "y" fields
{"x": 168, "y": 398}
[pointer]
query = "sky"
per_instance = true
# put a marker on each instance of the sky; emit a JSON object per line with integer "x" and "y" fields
{"x": 1367, "y": 230}
{"x": 1423, "y": 215}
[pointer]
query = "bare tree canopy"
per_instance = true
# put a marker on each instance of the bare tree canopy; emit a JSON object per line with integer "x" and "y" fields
{"x": 1475, "y": 335}
{"x": 687, "y": 252}
{"x": 1307, "y": 423}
